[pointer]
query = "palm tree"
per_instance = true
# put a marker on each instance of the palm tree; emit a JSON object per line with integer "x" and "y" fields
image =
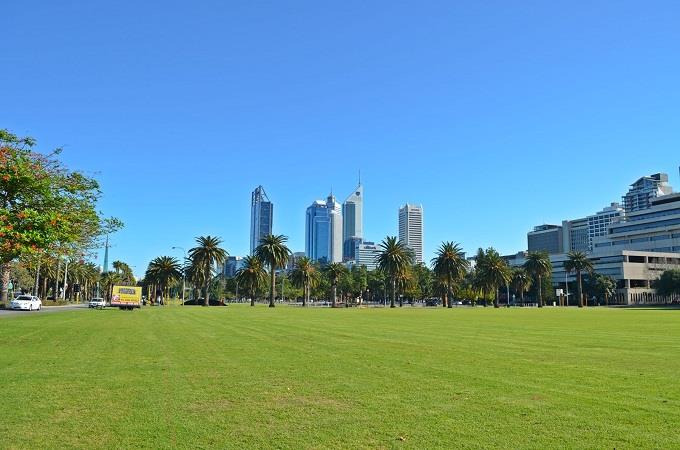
{"x": 334, "y": 271}
{"x": 393, "y": 258}
{"x": 162, "y": 271}
{"x": 521, "y": 281}
{"x": 252, "y": 275}
{"x": 274, "y": 253}
{"x": 108, "y": 280}
{"x": 493, "y": 272}
{"x": 405, "y": 281}
{"x": 538, "y": 266}
{"x": 304, "y": 276}
{"x": 204, "y": 257}
{"x": 578, "y": 262}
{"x": 124, "y": 270}
{"x": 450, "y": 266}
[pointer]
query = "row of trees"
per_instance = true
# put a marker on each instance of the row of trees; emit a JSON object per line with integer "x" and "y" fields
{"x": 199, "y": 268}
{"x": 48, "y": 219}
{"x": 451, "y": 275}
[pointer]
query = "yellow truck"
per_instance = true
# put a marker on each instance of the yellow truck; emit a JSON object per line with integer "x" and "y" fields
{"x": 127, "y": 297}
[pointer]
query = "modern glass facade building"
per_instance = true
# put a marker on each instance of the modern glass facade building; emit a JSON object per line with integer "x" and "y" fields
{"x": 323, "y": 231}
{"x": 545, "y": 238}
{"x": 352, "y": 219}
{"x": 411, "y": 229}
{"x": 261, "y": 217}
{"x": 232, "y": 265}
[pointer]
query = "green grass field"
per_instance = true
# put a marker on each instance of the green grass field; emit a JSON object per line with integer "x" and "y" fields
{"x": 241, "y": 377}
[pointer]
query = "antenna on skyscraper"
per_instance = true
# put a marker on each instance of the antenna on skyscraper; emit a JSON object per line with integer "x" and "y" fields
{"x": 360, "y": 177}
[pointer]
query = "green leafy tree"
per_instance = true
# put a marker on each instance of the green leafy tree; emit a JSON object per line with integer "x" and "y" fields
{"x": 41, "y": 203}
{"x": 393, "y": 259}
{"x": 274, "y": 253}
{"x": 578, "y": 262}
{"x": 204, "y": 257}
{"x": 449, "y": 266}
{"x": 538, "y": 266}
{"x": 376, "y": 284}
{"x": 605, "y": 286}
{"x": 252, "y": 276}
{"x": 669, "y": 283}
{"x": 359, "y": 280}
{"x": 334, "y": 271}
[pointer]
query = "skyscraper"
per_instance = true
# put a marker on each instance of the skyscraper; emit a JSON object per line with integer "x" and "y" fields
{"x": 261, "y": 217}
{"x": 411, "y": 229}
{"x": 352, "y": 219}
{"x": 323, "y": 231}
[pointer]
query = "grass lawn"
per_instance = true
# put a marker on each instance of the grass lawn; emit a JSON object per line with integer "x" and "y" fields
{"x": 241, "y": 377}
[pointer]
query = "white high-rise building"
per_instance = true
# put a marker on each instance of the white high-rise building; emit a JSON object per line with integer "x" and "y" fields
{"x": 645, "y": 189}
{"x": 352, "y": 219}
{"x": 411, "y": 229}
{"x": 323, "y": 231}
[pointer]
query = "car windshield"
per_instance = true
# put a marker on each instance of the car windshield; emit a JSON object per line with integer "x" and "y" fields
{"x": 23, "y": 297}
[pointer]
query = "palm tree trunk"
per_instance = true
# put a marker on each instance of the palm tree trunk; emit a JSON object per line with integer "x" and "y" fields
{"x": 445, "y": 298}
{"x": 335, "y": 293}
{"x": 580, "y": 289}
{"x": 540, "y": 293}
{"x": 448, "y": 294}
{"x": 207, "y": 294}
{"x": 305, "y": 294}
{"x": 495, "y": 298}
{"x": 521, "y": 295}
{"x": 252, "y": 297}
{"x": 394, "y": 292}
{"x": 272, "y": 288}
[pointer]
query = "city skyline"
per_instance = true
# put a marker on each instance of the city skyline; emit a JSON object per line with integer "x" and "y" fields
{"x": 496, "y": 124}
{"x": 392, "y": 229}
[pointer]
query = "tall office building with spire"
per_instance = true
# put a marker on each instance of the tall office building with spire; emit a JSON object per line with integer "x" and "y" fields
{"x": 323, "y": 231}
{"x": 352, "y": 220}
{"x": 411, "y": 229}
{"x": 261, "y": 217}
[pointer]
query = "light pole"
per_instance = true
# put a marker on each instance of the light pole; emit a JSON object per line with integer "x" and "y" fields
{"x": 184, "y": 277}
{"x": 566, "y": 285}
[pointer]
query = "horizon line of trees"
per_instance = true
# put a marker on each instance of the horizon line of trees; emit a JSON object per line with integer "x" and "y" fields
{"x": 397, "y": 278}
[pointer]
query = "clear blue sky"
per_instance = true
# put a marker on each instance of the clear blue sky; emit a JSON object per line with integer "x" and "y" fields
{"x": 496, "y": 115}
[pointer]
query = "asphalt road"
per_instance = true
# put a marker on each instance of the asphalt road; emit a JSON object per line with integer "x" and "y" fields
{"x": 44, "y": 310}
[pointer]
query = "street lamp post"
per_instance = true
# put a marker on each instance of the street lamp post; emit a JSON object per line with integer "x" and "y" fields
{"x": 184, "y": 277}
{"x": 566, "y": 285}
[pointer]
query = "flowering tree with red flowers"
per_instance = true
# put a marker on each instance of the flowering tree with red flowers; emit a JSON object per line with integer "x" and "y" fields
{"x": 42, "y": 204}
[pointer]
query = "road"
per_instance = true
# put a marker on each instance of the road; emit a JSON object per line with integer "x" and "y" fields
{"x": 45, "y": 309}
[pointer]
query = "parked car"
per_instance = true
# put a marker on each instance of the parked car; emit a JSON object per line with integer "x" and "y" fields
{"x": 97, "y": 303}
{"x": 26, "y": 303}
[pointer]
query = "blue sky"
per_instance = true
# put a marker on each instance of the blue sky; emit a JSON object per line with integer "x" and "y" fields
{"x": 496, "y": 116}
